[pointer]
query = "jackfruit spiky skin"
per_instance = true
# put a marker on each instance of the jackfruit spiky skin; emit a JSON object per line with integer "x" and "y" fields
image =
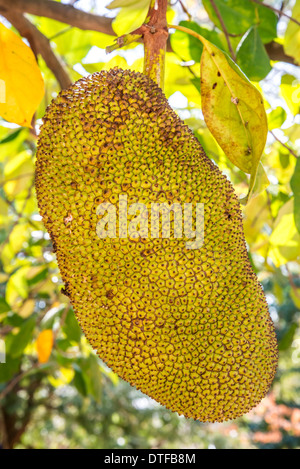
{"x": 190, "y": 328}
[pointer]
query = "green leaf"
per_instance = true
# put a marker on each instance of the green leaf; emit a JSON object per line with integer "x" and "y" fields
{"x": 42, "y": 275}
{"x": 288, "y": 337}
{"x": 233, "y": 110}
{"x": 79, "y": 382}
{"x": 295, "y": 186}
{"x": 266, "y": 24}
{"x": 188, "y": 47}
{"x": 71, "y": 327}
{"x": 92, "y": 376}
{"x": 276, "y": 118}
{"x": 9, "y": 368}
{"x": 11, "y": 136}
{"x": 252, "y": 56}
{"x": 131, "y": 15}
{"x": 261, "y": 181}
{"x": 20, "y": 341}
{"x": 238, "y": 15}
{"x": 4, "y": 306}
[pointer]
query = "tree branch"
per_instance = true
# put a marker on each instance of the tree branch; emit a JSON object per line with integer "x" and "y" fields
{"x": 87, "y": 21}
{"x": 39, "y": 44}
{"x": 60, "y": 12}
{"x": 155, "y": 35}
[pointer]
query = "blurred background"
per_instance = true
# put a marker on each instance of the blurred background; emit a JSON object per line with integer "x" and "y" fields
{"x": 54, "y": 391}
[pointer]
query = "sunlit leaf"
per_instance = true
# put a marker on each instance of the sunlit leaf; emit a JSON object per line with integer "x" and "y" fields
{"x": 131, "y": 15}
{"x": 27, "y": 308}
{"x": 17, "y": 287}
{"x": 233, "y": 110}
{"x": 18, "y": 173}
{"x": 63, "y": 376}
{"x": 21, "y": 79}
{"x": 276, "y": 118}
{"x": 285, "y": 239}
{"x": 290, "y": 91}
{"x": 292, "y": 35}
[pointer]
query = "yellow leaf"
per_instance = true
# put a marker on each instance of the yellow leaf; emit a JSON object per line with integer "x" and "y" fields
{"x": 233, "y": 109}
{"x": 292, "y": 35}
{"x": 18, "y": 173}
{"x": 64, "y": 376}
{"x": 27, "y": 308}
{"x": 44, "y": 344}
{"x": 285, "y": 239}
{"x": 21, "y": 82}
{"x": 131, "y": 15}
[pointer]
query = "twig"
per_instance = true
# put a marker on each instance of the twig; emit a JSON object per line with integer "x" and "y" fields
{"x": 185, "y": 10}
{"x": 279, "y": 12}
{"x": 283, "y": 144}
{"x": 40, "y": 44}
{"x": 223, "y": 26}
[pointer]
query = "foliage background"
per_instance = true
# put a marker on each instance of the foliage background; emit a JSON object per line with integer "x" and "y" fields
{"x": 72, "y": 400}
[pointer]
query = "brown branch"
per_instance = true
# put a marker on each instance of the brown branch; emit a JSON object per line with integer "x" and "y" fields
{"x": 276, "y": 52}
{"x": 39, "y": 44}
{"x": 223, "y": 26}
{"x": 74, "y": 17}
{"x": 60, "y": 12}
{"x": 155, "y": 36}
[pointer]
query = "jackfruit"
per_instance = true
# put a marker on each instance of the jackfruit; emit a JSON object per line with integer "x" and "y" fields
{"x": 188, "y": 327}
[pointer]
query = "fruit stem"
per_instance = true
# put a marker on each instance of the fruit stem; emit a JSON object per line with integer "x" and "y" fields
{"x": 155, "y": 34}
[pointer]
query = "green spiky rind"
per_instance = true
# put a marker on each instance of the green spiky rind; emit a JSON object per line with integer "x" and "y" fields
{"x": 190, "y": 328}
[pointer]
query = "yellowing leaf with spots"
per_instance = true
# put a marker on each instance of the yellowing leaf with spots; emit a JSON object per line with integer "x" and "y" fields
{"x": 44, "y": 345}
{"x": 21, "y": 82}
{"x": 233, "y": 109}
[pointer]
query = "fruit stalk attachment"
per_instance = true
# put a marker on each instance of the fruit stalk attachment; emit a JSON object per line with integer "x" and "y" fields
{"x": 154, "y": 34}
